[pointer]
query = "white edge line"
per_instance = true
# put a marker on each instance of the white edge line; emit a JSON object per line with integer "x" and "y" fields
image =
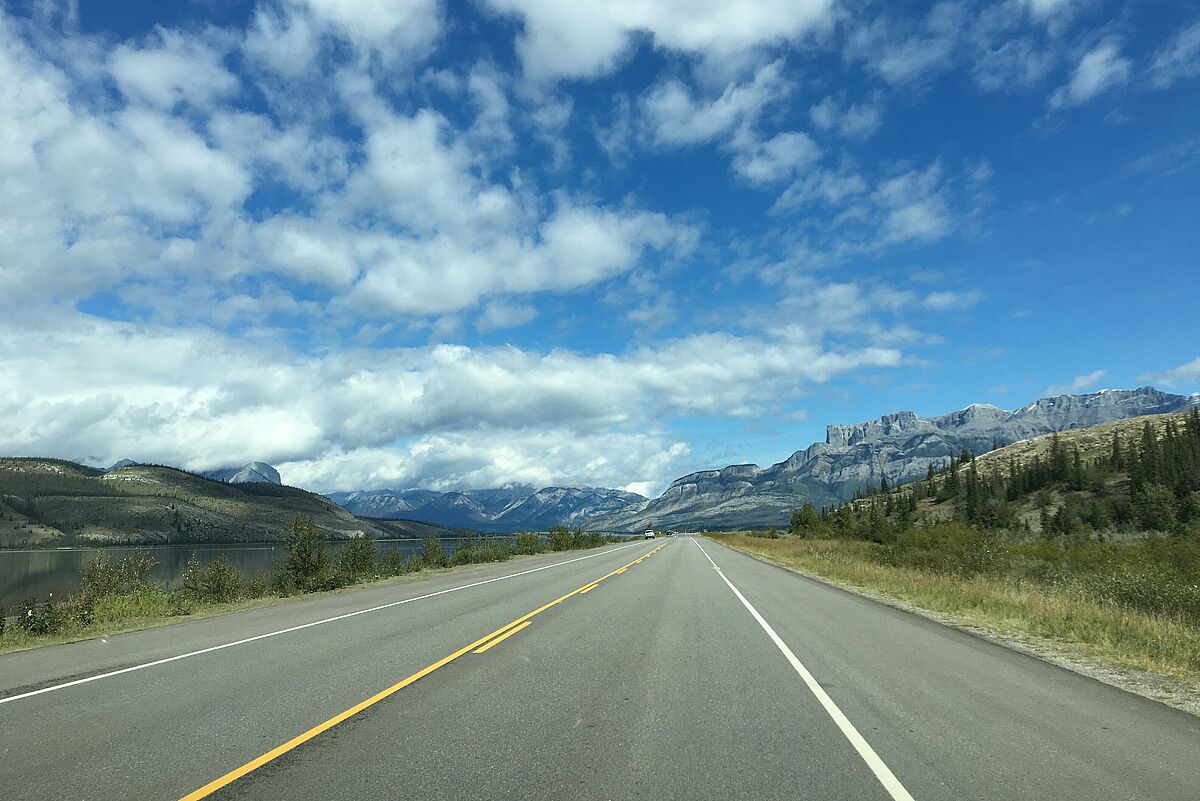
{"x": 882, "y": 772}
{"x": 155, "y": 663}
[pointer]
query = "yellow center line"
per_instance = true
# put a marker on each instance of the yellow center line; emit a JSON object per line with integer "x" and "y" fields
{"x": 588, "y": 589}
{"x": 502, "y": 637}
{"x": 482, "y": 644}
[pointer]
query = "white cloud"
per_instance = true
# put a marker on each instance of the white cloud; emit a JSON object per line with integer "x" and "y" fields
{"x": 905, "y": 54}
{"x": 1185, "y": 375}
{"x": 914, "y": 208}
{"x": 88, "y": 388}
{"x": 405, "y": 222}
{"x": 1101, "y": 68}
{"x": 1014, "y": 64}
{"x": 580, "y": 40}
{"x": 949, "y": 300}
{"x": 1076, "y": 385}
{"x": 1044, "y": 9}
{"x": 1179, "y": 59}
{"x": 675, "y": 117}
{"x": 172, "y": 69}
{"x": 853, "y": 121}
{"x": 779, "y": 158}
{"x": 498, "y": 315}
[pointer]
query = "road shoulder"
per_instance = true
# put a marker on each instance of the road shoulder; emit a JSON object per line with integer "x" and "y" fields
{"x": 1166, "y": 690}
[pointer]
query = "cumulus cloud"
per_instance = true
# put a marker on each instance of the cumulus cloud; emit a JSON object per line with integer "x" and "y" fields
{"x": 171, "y": 69}
{"x": 1101, "y": 68}
{"x": 1185, "y": 375}
{"x": 580, "y": 40}
{"x": 675, "y": 116}
{"x": 287, "y": 35}
{"x": 1078, "y": 384}
{"x": 102, "y": 390}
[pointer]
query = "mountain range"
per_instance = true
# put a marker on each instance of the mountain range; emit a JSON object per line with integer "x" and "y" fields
{"x": 518, "y": 508}
{"x": 900, "y": 446}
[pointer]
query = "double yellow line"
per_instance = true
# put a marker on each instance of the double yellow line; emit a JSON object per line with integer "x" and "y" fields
{"x": 479, "y": 646}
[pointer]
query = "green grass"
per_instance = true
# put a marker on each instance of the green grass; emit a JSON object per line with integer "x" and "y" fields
{"x": 1076, "y": 601}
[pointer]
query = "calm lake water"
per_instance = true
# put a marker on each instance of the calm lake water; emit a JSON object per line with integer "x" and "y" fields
{"x": 41, "y": 572}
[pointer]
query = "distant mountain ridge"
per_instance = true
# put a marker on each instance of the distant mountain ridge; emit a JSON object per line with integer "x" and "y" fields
{"x": 504, "y": 509}
{"x": 899, "y": 446}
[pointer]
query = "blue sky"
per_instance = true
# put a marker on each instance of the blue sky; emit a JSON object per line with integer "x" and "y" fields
{"x": 467, "y": 244}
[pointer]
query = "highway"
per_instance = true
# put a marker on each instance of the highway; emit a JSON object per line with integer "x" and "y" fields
{"x": 667, "y": 669}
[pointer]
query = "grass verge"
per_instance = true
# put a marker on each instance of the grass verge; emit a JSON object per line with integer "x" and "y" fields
{"x": 1105, "y": 634}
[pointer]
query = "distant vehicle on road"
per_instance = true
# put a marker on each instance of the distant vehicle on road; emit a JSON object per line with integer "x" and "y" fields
{"x": 649, "y": 533}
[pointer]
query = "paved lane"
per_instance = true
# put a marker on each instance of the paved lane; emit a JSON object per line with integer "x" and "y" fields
{"x": 657, "y": 682}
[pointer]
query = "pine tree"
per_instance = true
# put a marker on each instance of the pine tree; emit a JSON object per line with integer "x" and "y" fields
{"x": 1116, "y": 457}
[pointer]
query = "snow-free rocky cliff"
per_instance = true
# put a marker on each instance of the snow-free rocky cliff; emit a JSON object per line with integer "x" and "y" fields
{"x": 252, "y": 473}
{"x": 900, "y": 446}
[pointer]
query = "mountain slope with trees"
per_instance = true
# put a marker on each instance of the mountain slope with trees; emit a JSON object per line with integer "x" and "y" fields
{"x": 48, "y": 502}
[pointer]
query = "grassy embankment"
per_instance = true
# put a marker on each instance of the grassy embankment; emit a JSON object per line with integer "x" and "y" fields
{"x": 116, "y": 596}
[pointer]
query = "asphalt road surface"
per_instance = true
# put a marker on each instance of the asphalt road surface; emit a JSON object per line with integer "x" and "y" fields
{"x": 689, "y": 671}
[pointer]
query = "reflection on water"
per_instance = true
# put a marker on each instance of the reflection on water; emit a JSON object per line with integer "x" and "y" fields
{"x": 38, "y": 573}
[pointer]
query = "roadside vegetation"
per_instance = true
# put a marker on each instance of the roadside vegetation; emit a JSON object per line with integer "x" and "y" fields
{"x": 118, "y": 595}
{"x": 1099, "y": 551}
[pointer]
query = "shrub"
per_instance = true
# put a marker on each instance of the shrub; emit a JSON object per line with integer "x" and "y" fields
{"x": 393, "y": 563}
{"x": 357, "y": 558}
{"x": 560, "y": 538}
{"x": 45, "y": 618}
{"x": 433, "y": 552}
{"x": 528, "y": 542}
{"x": 103, "y": 577}
{"x": 217, "y": 582}
{"x": 307, "y": 565}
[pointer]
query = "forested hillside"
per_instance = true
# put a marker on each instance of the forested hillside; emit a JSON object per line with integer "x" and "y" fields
{"x": 1116, "y": 480}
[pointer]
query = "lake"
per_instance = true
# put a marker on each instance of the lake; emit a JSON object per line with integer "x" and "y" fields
{"x": 26, "y": 573}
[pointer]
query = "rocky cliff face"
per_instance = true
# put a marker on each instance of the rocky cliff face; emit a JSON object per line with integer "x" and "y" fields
{"x": 253, "y": 473}
{"x": 900, "y": 447}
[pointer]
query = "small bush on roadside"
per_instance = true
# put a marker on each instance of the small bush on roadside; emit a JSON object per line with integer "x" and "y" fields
{"x": 102, "y": 576}
{"x": 307, "y": 565}
{"x": 216, "y": 582}
{"x": 356, "y": 559}
{"x": 560, "y": 538}
{"x": 45, "y": 618}
{"x": 528, "y": 543}
{"x": 433, "y": 553}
